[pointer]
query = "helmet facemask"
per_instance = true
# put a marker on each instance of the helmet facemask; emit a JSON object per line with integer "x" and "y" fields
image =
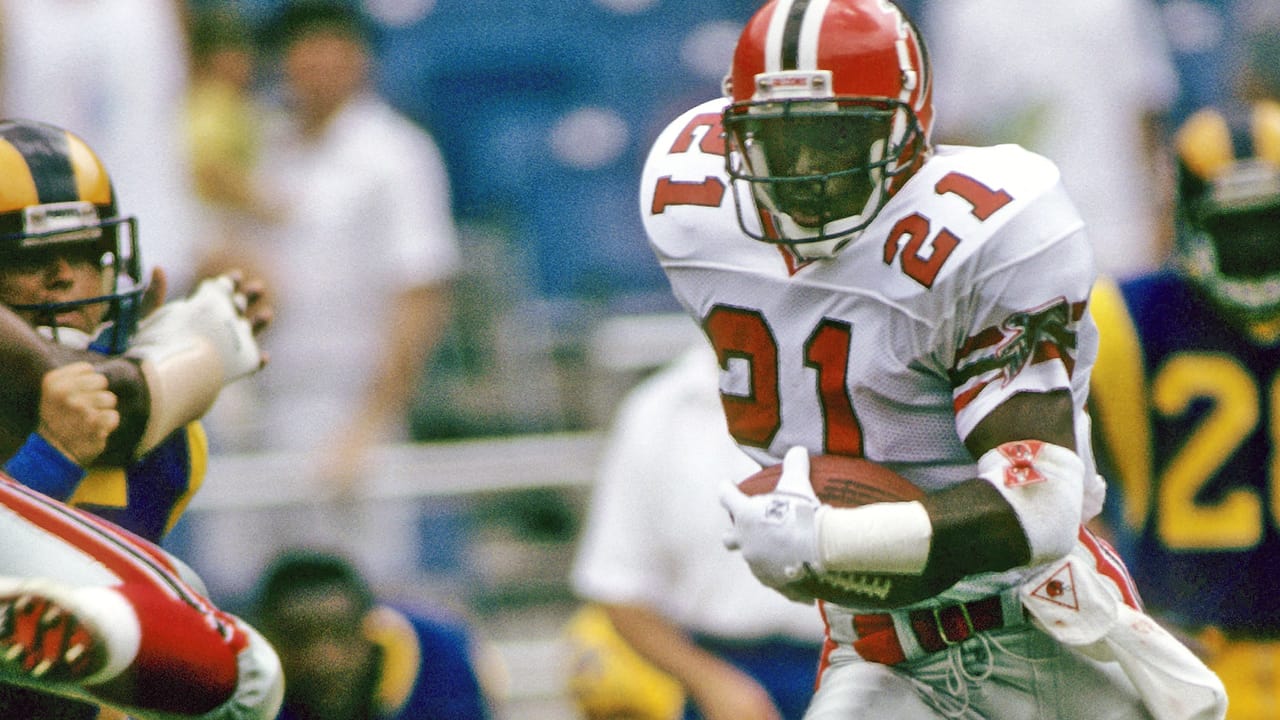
{"x": 75, "y": 230}
{"x": 818, "y": 170}
{"x": 1229, "y": 244}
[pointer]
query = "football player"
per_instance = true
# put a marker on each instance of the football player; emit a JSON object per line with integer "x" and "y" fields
{"x": 91, "y": 611}
{"x": 870, "y": 294}
{"x": 608, "y": 679}
{"x": 69, "y": 266}
{"x": 349, "y": 656}
{"x": 1185, "y": 394}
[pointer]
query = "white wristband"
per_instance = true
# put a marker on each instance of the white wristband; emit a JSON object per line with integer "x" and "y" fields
{"x": 214, "y": 315}
{"x": 891, "y": 537}
{"x": 183, "y": 384}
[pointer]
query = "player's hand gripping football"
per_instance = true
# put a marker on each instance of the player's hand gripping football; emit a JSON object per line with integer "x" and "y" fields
{"x": 777, "y": 532}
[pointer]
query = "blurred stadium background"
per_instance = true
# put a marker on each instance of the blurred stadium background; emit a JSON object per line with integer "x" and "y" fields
{"x": 543, "y": 111}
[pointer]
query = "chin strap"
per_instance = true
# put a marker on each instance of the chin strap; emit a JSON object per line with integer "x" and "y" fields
{"x": 66, "y": 336}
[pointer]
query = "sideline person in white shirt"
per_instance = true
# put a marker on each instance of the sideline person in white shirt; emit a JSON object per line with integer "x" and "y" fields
{"x": 652, "y": 554}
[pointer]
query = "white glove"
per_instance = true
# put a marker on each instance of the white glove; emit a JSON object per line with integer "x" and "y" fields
{"x": 777, "y": 532}
{"x": 214, "y": 313}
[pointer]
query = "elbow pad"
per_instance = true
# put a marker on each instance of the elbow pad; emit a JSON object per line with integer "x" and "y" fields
{"x": 1044, "y": 484}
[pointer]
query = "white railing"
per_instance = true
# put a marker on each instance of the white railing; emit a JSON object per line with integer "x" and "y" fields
{"x": 238, "y": 519}
{"x": 417, "y": 470}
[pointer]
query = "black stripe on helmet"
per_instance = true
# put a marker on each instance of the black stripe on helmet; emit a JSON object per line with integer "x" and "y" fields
{"x": 791, "y": 35}
{"x": 48, "y": 155}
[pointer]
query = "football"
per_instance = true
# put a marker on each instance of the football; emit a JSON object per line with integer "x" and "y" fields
{"x": 841, "y": 481}
{"x": 844, "y": 482}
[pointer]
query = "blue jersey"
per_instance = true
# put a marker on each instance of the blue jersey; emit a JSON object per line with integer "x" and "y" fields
{"x": 1187, "y": 409}
{"x": 427, "y": 669}
{"x": 148, "y": 496}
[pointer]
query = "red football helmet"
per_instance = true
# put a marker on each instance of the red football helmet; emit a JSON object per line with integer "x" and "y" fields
{"x": 832, "y": 112}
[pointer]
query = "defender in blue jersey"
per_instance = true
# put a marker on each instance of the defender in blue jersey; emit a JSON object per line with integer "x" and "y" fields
{"x": 349, "y": 657}
{"x": 1186, "y": 398}
{"x": 70, "y": 267}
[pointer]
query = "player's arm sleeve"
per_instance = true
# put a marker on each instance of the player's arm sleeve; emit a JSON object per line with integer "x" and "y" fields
{"x": 43, "y": 468}
{"x": 1118, "y": 401}
{"x": 1016, "y": 385}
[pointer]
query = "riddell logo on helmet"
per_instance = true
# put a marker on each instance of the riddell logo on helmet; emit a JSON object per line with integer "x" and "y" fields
{"x": 793, "y": 83}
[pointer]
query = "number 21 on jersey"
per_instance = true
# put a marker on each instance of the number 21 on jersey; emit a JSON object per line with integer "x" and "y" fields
{"x": 743, "y": 333}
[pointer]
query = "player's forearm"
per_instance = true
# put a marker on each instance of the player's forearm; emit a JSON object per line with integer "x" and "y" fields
{"x": 419, "y": 318}
{"x": 1023, "y": 509}
{"x": 188, "y": 350}
{"x": 24, "y": 359}
{"x": 663, "y": 644}
{"x": 133, "y": 402}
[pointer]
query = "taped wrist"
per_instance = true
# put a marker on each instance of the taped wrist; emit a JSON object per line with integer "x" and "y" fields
{"x": 213, "y": 314}
{"x": 890, "y": 537}
{"x": 183, "y": 385}
{"x": 1043, "y": 484}
{"x": 188, "y": 350}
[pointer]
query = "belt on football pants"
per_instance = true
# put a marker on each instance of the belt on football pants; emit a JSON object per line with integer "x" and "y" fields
{"x": 882, "y": 636}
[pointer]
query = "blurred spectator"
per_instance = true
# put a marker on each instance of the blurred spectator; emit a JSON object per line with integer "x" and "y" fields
{"x": 363, "y": 252}
{"x": 223, "y": 126}
{"x": 652, "y": 556}
{"x": 1220, "y": 48}
{"x": 363, "y": 257}
{"x": 347, "y": 656}
{"x": 113, "y": 72}
{"x": 1083, "y": 83}
{"x": 609, "y": 680}
{"x": 1260, "y": 61}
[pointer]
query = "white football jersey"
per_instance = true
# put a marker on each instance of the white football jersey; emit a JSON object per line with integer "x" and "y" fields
{"x": 968, "y": 287}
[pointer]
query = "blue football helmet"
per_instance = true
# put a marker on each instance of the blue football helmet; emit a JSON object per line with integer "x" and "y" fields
{"x": 56, "y": 198}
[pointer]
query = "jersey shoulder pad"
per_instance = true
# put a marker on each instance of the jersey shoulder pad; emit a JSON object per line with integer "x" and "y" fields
{"x": 981, "y": 210}
{"x": 685, "y": 194}
{"x": 686, "y": 161}
{"x": 1002, "y": 170}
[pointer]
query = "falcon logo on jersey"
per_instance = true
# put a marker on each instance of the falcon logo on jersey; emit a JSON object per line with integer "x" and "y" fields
{"x": 1059, "y": 589}
{"x": 1035, "y": 335}
{"x": 1022, "y": 339}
